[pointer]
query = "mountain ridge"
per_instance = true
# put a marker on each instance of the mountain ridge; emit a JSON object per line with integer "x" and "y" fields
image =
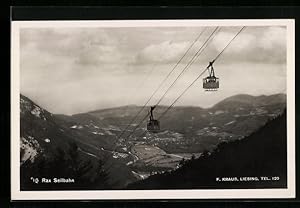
{"x": 43, "y": 135}
{"x": 282, "y": 97}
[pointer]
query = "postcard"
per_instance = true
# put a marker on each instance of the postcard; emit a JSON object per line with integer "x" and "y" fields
{"x": 153, "y": 109}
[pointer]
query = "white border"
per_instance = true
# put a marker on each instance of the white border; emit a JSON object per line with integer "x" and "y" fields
{"x": 16, "y": 194}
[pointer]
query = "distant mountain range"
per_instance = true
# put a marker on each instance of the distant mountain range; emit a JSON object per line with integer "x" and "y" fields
{"x": 232, "y": 118}
{"x": 185, "y": 131}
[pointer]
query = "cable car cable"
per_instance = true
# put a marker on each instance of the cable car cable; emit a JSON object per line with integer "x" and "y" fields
{"x": 160, "y": 85}
{"x": 201, "y": 73}
{"x": 229, "y": 43}
{"x": 135, "y": 128}
{"x": 189, "y": 85}
{"x": 197, "y": 77}
{"x": 180, "y": 96}
{"x": 193, "y": 81}
{"x": 196, "y": 55}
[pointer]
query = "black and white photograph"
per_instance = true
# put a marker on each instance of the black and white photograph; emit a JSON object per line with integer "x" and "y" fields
{"x": 156, "y": 109}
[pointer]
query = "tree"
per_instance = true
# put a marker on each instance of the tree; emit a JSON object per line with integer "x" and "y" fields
{"x": 182, "y": 162}
{"x": 100, "y": 182}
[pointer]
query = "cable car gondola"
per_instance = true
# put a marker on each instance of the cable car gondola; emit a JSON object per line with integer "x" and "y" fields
{"x": 211, "y": 83}
{"x": 152, "y": 125}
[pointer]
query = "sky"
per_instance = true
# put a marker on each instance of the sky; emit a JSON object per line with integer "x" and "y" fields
{"x": 75, "y": 70}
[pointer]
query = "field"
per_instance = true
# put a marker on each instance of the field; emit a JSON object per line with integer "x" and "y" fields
{"x": 152, "y": 159}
